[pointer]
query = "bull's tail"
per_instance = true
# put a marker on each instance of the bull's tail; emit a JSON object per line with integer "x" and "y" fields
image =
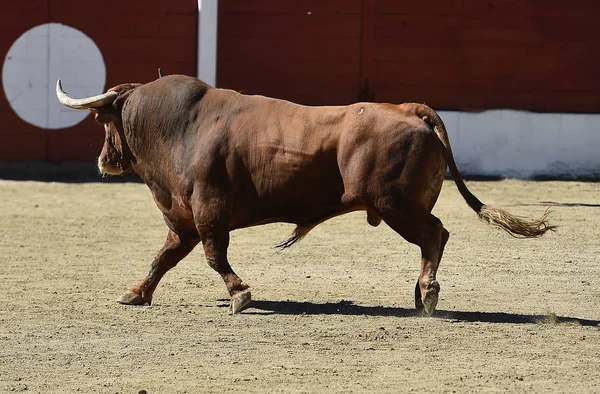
{"x": 514, "y": 225}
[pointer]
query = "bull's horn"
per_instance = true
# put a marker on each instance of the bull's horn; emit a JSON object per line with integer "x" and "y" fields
{"x": 84, "y": 103}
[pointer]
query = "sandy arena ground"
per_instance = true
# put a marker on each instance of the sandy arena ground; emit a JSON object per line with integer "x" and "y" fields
{"x": 332, "y": 314}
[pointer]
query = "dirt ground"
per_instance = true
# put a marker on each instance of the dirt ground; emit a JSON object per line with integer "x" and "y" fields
{"x": 332, "y": 314}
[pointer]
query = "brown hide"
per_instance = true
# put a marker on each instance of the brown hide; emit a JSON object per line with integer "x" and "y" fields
{"x": 270, "y": 160}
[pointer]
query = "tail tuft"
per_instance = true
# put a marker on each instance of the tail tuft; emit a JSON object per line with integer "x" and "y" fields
{"x": 299, "y": 233}
{"x": 288, "y": 242}
{"x": 514, "y": 225}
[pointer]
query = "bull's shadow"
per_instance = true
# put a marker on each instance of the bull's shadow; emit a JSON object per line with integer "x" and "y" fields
{"x": 349, "y": 308}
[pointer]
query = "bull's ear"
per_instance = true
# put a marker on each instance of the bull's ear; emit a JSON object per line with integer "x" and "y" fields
{"x": 112, "y": 113}
{"x": 106, "y": 115}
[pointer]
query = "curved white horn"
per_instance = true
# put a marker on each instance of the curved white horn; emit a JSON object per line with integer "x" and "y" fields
{"x": 84, "y": 103}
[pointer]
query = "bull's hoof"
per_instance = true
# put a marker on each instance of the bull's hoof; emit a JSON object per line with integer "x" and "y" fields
{"x": 430, "y": 298}
{"x": 240, "y": 301}
{"x": 132, "y": 298}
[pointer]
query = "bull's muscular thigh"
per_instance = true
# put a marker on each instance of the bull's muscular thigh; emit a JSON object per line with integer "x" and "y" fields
{"x": 418, "y": 180}
{"x": 404, "y": 167}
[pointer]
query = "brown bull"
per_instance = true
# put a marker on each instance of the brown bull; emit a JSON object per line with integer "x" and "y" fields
{"x": 216, "y": 160}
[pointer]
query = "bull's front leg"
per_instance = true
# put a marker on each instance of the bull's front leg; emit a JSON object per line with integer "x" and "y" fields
{"x": 176, "y": 247}
{"x": 215, "y": 240}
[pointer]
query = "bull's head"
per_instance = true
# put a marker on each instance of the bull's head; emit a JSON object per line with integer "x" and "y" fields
{"x": 116, "y": 156}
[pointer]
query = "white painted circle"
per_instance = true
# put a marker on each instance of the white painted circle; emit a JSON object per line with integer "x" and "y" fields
{"x": 37, "y": 59}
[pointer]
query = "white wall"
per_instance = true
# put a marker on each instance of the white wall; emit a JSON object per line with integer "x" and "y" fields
{"x": 519, "y": 144}
{"x": 207, "y": 41}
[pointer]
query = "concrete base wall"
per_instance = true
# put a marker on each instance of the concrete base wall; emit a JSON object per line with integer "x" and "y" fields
{"x": 519, "y": 144}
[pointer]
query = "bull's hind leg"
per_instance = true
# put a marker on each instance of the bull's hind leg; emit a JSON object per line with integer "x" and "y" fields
{"x": 418, "y": 294}
{"x": 215, "y": 240}
{"x": 175, "y": 248}
{"x": 425, "y": 230}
